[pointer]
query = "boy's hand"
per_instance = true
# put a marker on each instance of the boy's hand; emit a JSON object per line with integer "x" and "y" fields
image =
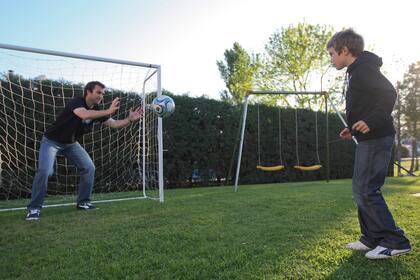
{"x": 115, "y": 105}
{"x": 361, "y": 126}
{"x": 345, "y": 134}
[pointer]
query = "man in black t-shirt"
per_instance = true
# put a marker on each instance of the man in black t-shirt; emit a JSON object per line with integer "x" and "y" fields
{"x": 77, "y": 118}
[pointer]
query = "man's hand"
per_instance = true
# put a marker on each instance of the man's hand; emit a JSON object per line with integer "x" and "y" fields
{"x": 361, "y": 126}
{"x": 135, "y": 114}
{"x": 345, "y": 134}
{"x": 115, "y": 105}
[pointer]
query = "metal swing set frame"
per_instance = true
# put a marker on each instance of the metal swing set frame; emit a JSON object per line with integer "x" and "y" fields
{"x": 281, "y": 166}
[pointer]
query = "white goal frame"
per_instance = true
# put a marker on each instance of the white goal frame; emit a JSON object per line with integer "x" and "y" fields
{"x": 157, "y": 71}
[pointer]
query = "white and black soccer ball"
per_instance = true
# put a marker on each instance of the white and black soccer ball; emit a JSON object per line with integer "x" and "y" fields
{"x": 163, "y": 106}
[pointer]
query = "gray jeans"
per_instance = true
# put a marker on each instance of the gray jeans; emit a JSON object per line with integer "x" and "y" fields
{"x": 47, "y": 154}
{"x": 370, "y": 169}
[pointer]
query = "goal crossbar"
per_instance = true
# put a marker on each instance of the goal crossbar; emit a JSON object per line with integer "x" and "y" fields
{"x": 156, "y": 74}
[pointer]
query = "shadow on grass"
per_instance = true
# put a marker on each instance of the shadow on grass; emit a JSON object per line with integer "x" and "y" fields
{"x": 403, "y": 181}
{"x": 293, "y": 226}
{"x": 318, "y": 221}
{"x": 294, "y": 231}
{"x": 357, "y": 266}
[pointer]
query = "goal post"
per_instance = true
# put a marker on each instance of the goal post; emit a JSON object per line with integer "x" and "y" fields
{"x": 36, "y": 84}
{"x": 244, "y": 119}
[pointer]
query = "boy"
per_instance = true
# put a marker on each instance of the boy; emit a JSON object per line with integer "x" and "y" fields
{"x": 76, "y": 119}
{"x": 370, "y": 98}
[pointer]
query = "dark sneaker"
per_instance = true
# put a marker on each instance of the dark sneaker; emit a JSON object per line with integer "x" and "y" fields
{"x": 33, "y": 215}
{"x": 384, "y": 253}
{"x": 85, "y": 206}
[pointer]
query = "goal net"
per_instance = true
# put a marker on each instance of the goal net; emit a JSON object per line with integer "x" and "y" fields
{"x": 35, "y": 85}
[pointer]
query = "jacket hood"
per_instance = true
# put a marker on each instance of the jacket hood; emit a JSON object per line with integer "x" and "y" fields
{"x": 366, "y": 57}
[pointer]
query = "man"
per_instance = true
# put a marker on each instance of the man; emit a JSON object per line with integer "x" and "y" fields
{"x": 77, "y": 118}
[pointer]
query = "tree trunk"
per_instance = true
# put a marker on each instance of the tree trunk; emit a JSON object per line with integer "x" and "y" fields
{"x": 415, "y": 146}
{"x": 416, "y": 156}
{"x": 399, "y": 134}
{"x": 413, "y": 154}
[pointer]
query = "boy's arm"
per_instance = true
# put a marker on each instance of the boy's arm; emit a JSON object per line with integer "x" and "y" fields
{"x": 383, "y": 96}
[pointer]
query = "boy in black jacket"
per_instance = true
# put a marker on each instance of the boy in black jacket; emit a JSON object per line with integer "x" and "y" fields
{"x": 370, "y": 98}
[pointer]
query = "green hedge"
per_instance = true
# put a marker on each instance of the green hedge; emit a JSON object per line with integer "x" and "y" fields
{"x": 200, "y": 140}
{"x": 201, "y": 136}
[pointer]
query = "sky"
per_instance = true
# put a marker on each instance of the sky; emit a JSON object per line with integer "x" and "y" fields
{"x": 187, "y": 37}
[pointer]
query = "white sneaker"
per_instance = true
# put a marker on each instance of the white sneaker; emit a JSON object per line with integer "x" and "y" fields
{"x": 33, "y": 215}
{"x": 382, "y": 253}
{"x": 358, "y": 246}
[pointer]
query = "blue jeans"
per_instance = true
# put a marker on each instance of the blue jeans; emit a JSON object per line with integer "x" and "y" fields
{"x": 47, "y": 154}
{"x": 370, "y": 169}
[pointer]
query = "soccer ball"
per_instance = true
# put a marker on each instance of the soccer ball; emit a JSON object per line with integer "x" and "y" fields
{"x": 163, "y": 106}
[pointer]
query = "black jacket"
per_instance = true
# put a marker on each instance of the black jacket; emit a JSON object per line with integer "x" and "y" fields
{"x": 370, "y": 97}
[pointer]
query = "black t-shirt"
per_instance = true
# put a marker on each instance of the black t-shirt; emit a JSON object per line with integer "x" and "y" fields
{"x": 68, "y": 127}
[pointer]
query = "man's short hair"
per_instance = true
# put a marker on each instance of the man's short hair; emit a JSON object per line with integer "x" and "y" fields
{"x": 347, "y": 38}
{"x": 91, "y": 85}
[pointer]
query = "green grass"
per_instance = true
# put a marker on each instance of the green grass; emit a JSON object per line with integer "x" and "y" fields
{"x": 406, "y": 163}
{"x": 283, "y": 231}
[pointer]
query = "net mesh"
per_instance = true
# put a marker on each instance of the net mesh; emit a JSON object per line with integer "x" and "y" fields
{"x": 34, "y": 88}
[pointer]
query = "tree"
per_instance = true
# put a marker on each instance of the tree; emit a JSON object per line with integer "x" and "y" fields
{"x": 238, "y": 72}
{"x": 409, "y": 90}
{"x": 296, "y": 59}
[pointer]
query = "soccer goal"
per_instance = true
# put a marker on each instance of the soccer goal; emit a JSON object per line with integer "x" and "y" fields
{"x": 35, "y": 85}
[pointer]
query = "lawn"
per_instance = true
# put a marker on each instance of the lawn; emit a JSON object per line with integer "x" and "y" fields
{"x": 276, "y": 231}
{"x": 406, "y": 163}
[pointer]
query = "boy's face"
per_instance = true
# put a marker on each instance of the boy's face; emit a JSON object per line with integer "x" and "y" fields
{"x": 339, "y": 61}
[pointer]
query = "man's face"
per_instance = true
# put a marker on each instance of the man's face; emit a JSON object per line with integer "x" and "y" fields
{"x": 97, "y": 94}
{"x": 339, "y": 61}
